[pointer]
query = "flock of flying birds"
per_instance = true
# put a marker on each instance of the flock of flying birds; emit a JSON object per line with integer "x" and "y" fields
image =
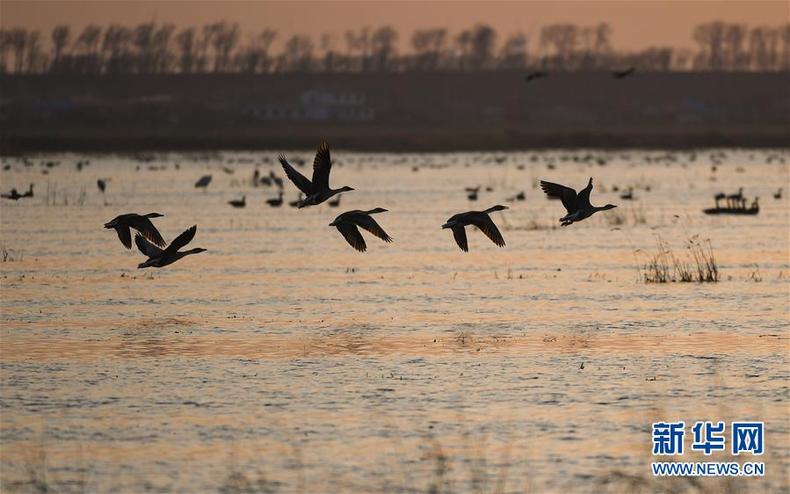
{"x": 316, "y": 191}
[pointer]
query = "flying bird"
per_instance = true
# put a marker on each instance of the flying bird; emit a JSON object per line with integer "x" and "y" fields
{"x": 141, "y": 223}
{"x": 348, "y": 222}
{"x": 203, "y": 182}
{"x": 577, "y": 205}
{"x": 481, "y": 220}
{"x": 317, "y": 190}
{"x": 159, "y": 258}
{"x": 14, "y": 195}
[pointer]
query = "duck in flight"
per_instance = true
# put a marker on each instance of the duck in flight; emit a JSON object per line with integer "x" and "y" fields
{"x": 577, "y": 205}
{"x": 481, "y": 220}
{"x": 159, "y": 258}
{"x": 317, "y": 190}
{"x": 141, "y": 223}
{"x": 348, "y": 222}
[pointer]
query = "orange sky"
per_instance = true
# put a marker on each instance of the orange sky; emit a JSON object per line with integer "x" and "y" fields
{"x": 636, "y": 23}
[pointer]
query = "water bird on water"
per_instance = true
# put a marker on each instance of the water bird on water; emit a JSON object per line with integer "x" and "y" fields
{"x": 295, "y": 204}
{"x": 348, "y": 222}
{"x": 628, "y": 195}
{"x": 481, "y": 220}
{"x": 276, "y": 202}
{"x": 159, "y": 258}
{"x": 577, "y": 205}
{"x": 778, "y": 194}
{"x": 622, "y": 74}
{"x": 101, "y": 184}
{"x": 518, "y": 197}
{"x": 14, "y": 195}
{"x": 238, "y": 203}
{"x": 317, "y": 190}
{"x": 472, "y": 192}
{"x": 142, "y": 223}
{"x": 538, "y": 74}
{"x": 203, "y": 182}
{"x": 333, "y": 203}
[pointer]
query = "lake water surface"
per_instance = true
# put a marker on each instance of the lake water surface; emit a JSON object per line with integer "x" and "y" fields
{"x": 282, "y": 360}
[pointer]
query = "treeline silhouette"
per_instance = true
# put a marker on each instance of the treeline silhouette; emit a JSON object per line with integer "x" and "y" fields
{"x": 152, "y": 48}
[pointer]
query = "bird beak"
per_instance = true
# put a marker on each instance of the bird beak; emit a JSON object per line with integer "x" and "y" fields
{"x": 447, "y": 225}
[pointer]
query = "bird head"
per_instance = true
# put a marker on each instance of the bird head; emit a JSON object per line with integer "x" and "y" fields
{"x": 449, "y": 224}
{"x": 196, "y": 250}
{"x": 498, "y": 207}
{"x": 154, "y": 215}
{"x": 346, "y": 188}
{"x": 377, "y": 210}
{"x": 609, "y": 206}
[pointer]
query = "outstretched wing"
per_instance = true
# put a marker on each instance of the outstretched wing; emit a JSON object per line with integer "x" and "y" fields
{"x": 566, "y": 195}
{"x": 322, "y": 165}
{"x": 460, "y": 237}
{"x": 302, "y": 183}
{"x": 366, "y": 222}
{"x": 487, "y": 226}
{"x": 149, "y": 231}
{"x": 351, "y": 234}
{"x": 181, "y": 240}
{"x": 124, "y": 235}
{"x": 147, "y": 248}
{"x": 583, "y": 199}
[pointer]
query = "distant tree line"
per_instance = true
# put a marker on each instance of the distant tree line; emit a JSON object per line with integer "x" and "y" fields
{"x": 220, "y": 47}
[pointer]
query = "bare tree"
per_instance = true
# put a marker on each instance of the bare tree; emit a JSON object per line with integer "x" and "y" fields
{"x": 298, "y": 53}
{"x": 382, "y": 44}
{"x": 428, "y": 45}
{"x": 514, "y": 52}
{"x": 60, "y": 39}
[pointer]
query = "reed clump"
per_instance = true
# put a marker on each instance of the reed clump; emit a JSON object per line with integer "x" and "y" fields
{"x": 698, "y": 264}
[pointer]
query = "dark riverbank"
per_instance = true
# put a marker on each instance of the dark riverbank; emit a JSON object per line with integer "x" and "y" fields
{"x": 394, "y": 112}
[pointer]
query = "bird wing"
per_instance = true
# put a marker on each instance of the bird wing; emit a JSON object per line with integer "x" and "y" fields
{"x": 322, "y": 165}
{"x": 351, "y": 233}
{"x": 369, "y": 224}
{"x": 583, "y": 199}
{"x": 181, "y": 240}
{"x": 146, "y": 247}
{"x": 460, "y": 237}
{"x": 302, "y": 183}
{"x": 125, "y": 235}
{"x": 487, "y": 226}
{"x": 149, "y": 231}
{"x": 566, "y": 194}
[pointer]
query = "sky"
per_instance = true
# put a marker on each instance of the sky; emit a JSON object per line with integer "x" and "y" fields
{"x": 636, "y": 24}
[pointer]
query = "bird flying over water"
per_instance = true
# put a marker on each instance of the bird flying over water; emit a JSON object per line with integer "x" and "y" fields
{"x": 348, "y": 222}
{"x": 141, "y": 223}
{"x": 577, "y": 205}
{"x": 481, "y": 220}
{"x": 159, "y": 258}
{"x": 317, "y": 190}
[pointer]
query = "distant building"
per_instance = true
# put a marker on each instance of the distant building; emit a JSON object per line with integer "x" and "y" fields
{"x": 317, "y": 105}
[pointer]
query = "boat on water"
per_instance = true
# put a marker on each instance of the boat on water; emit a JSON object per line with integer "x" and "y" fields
{"x": 754, "y": 209}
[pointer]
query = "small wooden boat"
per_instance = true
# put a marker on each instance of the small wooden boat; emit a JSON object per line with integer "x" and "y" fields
{"x": 752, "y": 210}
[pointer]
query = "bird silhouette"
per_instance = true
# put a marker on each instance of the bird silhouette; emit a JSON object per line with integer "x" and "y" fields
{"x": 481, "y": 220}
{"x": 159, "y": 258}
{"x": 317, "y": 190}
{"x": 577, "y": 205}
{"x": 622, "y": 74}
{"x": 348, "y": 222}
{"x": 142, "y": 223}
{"x": 538, "y": 74}
{"x": 238, "y": 203}
{"x": 203, "y": 182}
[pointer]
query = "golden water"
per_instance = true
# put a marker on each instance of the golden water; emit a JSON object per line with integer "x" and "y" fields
{"x": 282, "y": 359}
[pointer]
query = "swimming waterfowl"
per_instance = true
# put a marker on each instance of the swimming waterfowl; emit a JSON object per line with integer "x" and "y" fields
{"x": 577, "y": 205}
{"x": 14, "y": 195}
{"x": 333, "y": 203}
{"x": 141, "y": 223}
{"x": 778, "y": 194}
{"x": 203, "y": 181}
{"x": 295, "y": 203}
{"x": 317, "y": 190}
{"x": 481, "y": 220}
{"x": 472, "y": 192}
{"x": 29, "y": 192}
{"x": 276, "y": 202}
{"x": 539, "y": 74}
{"x": 101, "y": 184}
{"x": 348, "y": 222}
{"x": 628, "y": 195}
{"x": 159, "y": 258}
{"x": 238, "y": 203}
{"x": 621, "y": 74}
{"x": 518, "y": 197}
